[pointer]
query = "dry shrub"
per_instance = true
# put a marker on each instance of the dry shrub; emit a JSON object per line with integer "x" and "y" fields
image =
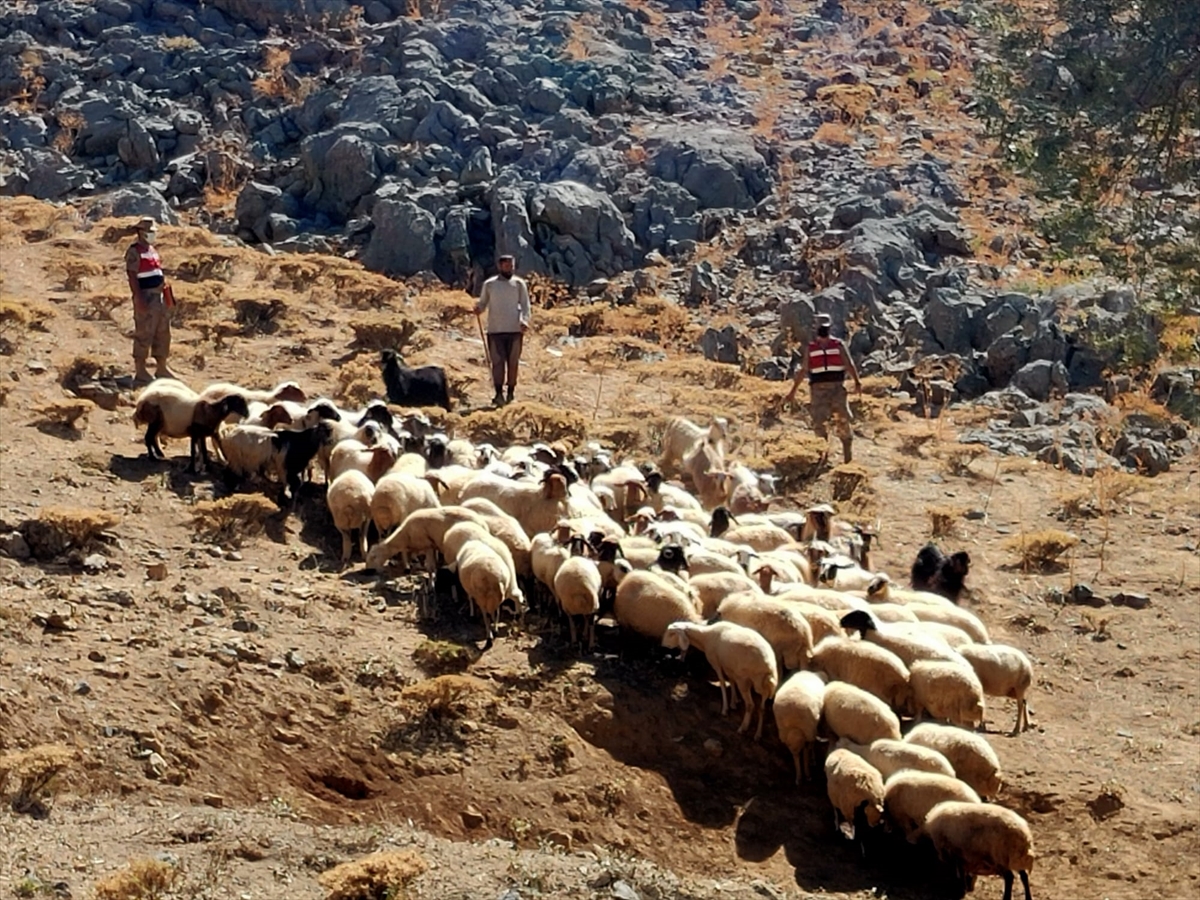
{"x": 380, "y": 876}
{"x": 259, "y": 316}
{"x": 796, "y": 460}
{"x": 77, "y": 526}
{"x": 84, "y": 369}
{"x": 142, "y": 879}
{"x": 1077, "y": 505}
{"x": 847, "y": 479}
{"x": 523, "y": 422}
{"x": 833, "y": 133}
{"x": 66, "y": 413}
{"x": 382, "y": 332}
{"x": 626, "y": 436}
{"x": 205, "y": 266}
{"x": 943, "y": 520}
{"x": 958, "y": 459}
{"x": 358, "y": 382}
{"x": 76, "y": 272}
{"x": 26, "y": 315}
{"x": 902, "y": 470}
{"x": 33, "y": 771}
{"x": 1113, "y": 487}
{"x": 102, "y": 306}
{"x": 913, "y": 444}
{"x": 441, "y": 693}
{"x": 1040, "y": 550}
{"x": 444, "y": 656}
{"x": 231, "y": 520}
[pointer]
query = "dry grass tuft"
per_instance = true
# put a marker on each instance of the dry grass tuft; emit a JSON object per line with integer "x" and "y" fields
{"x": 958, "y": 459}
{"x": 523, "y": 422}
{"x": 902, "y": 470}
{"x": 66, "y": 413}
{"x": 913, "y": 444}
{"x": 18, "y": 317}
{"x": 444, "y": 656}
{"x": 846, "y": 480}
{"x": 380, "y": 876}
{"x": 33, "y": 770}
{"x": 77, "y": 526}
{"x": 382, "y": 332}
{"x": 358, "y": 382}
{"x": 943, "y": 520}
{"x": 231, "y": 520}
{"x": 142, "y": 879}
{"x": 796, "y": 459}
{"x": 101, "y": 306}
{"x": 1040, "y": 550}
{"x": 84, "y": 369}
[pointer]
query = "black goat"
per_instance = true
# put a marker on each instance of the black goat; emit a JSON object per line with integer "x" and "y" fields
{"x": 721, "y": 519}
{"x": 933, "y": 571}
{"x": 298, "y": 449}
{"x": 423, "y": 386}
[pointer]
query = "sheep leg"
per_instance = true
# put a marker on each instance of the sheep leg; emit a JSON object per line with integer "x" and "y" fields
{"x": 362, "y": 542}
{"x": 1022, "y": 714}
{"x": 487, "y": 628}
{"x": 1008, "y": 884}
{"x": 1025, "y": 884}
{"x": 724, "y": 696}
{"x": 347, "y": 544}
{"x": 796, "y": 760}
{"x": 748, "y": 698}
{"x": 591, "y": 633}
{"x": 762, "y": 709}
{"x": 571, "y": 622}
{"x": 153, "y": 447}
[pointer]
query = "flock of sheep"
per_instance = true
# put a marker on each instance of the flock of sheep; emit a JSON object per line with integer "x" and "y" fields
{"x": 760, "y": 593}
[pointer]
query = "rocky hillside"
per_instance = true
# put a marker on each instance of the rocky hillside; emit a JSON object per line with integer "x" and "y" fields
{"x": 753, "y": 160}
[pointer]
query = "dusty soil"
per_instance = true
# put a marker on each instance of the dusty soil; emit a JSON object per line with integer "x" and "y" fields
{"x": 291, "y": 706}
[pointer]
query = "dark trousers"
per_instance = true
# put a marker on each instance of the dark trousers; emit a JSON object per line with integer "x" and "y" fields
{"x": 505, "y": 350}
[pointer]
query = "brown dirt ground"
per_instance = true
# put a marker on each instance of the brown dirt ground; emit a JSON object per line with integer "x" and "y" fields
{"x": 576, "y": 768}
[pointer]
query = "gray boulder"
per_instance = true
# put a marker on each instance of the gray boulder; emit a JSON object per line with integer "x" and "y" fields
{"x": 590, "y": 218}
{"x": 404, "y": 241}
{"x": 137, "y": 148}
{"x": 704, "y": 286}
{"x": 137, "y": 200}
{"x": 21, "y": 132}
{"x": 351, "y": 171}
{"x": 1005, "y": 356}
{"x": 43, "y": 174}
{"x": 721, "y": 346}
{"x": 720, "y": 167}
{"x": 951, "y": 318}
{"x": 1147, "y": 456}
{"x": 1040, "y": 378}
{"x": 254, "y": 204}
{"x": 1178, "y": 390}
{"x": 513, "y": 231}
{"x": 544, "y": 96}
{"x": 478, "y": 168}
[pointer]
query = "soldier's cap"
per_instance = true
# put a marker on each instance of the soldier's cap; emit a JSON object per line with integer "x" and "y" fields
{"x": 823, "y": 319}
{"x": 506, "y": 256}
{"x": 146, "y": 223}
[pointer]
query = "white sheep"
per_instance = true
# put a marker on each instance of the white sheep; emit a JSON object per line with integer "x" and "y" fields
{"x": 853, "y": 713}
{"x": 712, "y": 588}
{"x": 669, "y": 495}
{"x": 797, "y": 710}
{"x": 169, "y": 408}
{"x": 545, "y": 557}
{"x": 881, "y": 590}
{"x": 703, "y": 465}
{"x": 349, "y": 499}
{"x": 821, "y": 621}
{"x": 909, "y": 796}
{"x": 646, "y": 603}
{"x": 972, "y": 757}
{"x": 250, "y": 451}
{"x": 507, "y": 529}
{"x": 946, "y": 690}
{"x": 373, "y": 461}
{"x": 874, "y": 669}
{"x": 891, "y": 756}
{"x": 982, "y": 839}
{"x": 738, "y": 655}
{"x": 956, "y": 616}
{"x": 577, "y": 585}
{"x": 908, "y": 644}
{"x": 783, "y": 627}
{"x": 1003, "y": 671}
{"x": 854, "y": 786}
{"x": 397, "y": 496}
{"x": 761, "y": 537}
{"x": 488, "y": 581}
{"x": 681, "y": 436}
{"x": 536, "y": 507}
{"x": 287, "y": 392}
{"x": 954, "y": 638}
{"x": 450, "y": 481}
{"x": 422, "y": 531}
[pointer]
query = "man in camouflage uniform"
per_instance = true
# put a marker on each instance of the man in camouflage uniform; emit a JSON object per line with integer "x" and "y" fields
{"x": 151, "y": 317}
{"x": 826, "y": 362}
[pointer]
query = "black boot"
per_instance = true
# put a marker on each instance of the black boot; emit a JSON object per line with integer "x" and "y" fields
{"x": 498, "y": 400}
{"x": 510, "y": 393}
{"x": 846, "y": 450}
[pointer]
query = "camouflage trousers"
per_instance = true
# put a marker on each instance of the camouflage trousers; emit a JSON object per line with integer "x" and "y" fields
{"x": 151, "y": 326}
{"x": 829, "y": 399}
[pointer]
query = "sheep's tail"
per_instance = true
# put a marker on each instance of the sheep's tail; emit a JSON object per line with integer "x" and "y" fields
{"x": 769, "y": 685}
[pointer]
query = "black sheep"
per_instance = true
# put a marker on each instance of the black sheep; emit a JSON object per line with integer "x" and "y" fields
{"x": 298, "y": 449}
{"x": 671, "y": 558}
{"x": 423, "y": 386}
{"x": 721, "y": 519}
{"x": 933, "y": 571}
{"x": 206, "y": 420}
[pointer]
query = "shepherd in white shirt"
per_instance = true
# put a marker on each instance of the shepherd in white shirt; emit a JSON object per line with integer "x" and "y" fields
{"x": 506, "y": 299}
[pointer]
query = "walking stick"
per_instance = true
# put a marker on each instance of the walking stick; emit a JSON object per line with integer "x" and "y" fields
{"x": 487, "y": 356}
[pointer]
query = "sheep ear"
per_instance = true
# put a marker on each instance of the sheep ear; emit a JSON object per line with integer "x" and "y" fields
{"x": 684, "y": 643}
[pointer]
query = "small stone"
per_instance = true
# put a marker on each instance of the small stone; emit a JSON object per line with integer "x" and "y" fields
{"x": 275, "y": 663}
{"x": 713, "y": 747}
{"x": 233, "y": 556}
{"x": 287, "y": 737}
{"x": 472, "y": 818}
{"x": 156, "y": 766}
{"x": 37, "y": 366}
{"x": 295, "y": 660}
{"x": 1133, "y": 601}
{"x": 244, "y": 625}
{"x": 15, "y": 546}
{"x": 215, "y": 552}
{"x": 975, "y": 515}
{"x": 623, "y": 891}
{"x": 157, "y": 572}
{"x": 121, "y": 598}
{"x": 96, "y": 656}
{"x": 216, "y": 801}
{"x": 95, "y": 563}
{"x": 83, "y": 688}
{"x": 559, "y": 839}
{"x": 111, "y": 672}
{"x": 152, "y": 743}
